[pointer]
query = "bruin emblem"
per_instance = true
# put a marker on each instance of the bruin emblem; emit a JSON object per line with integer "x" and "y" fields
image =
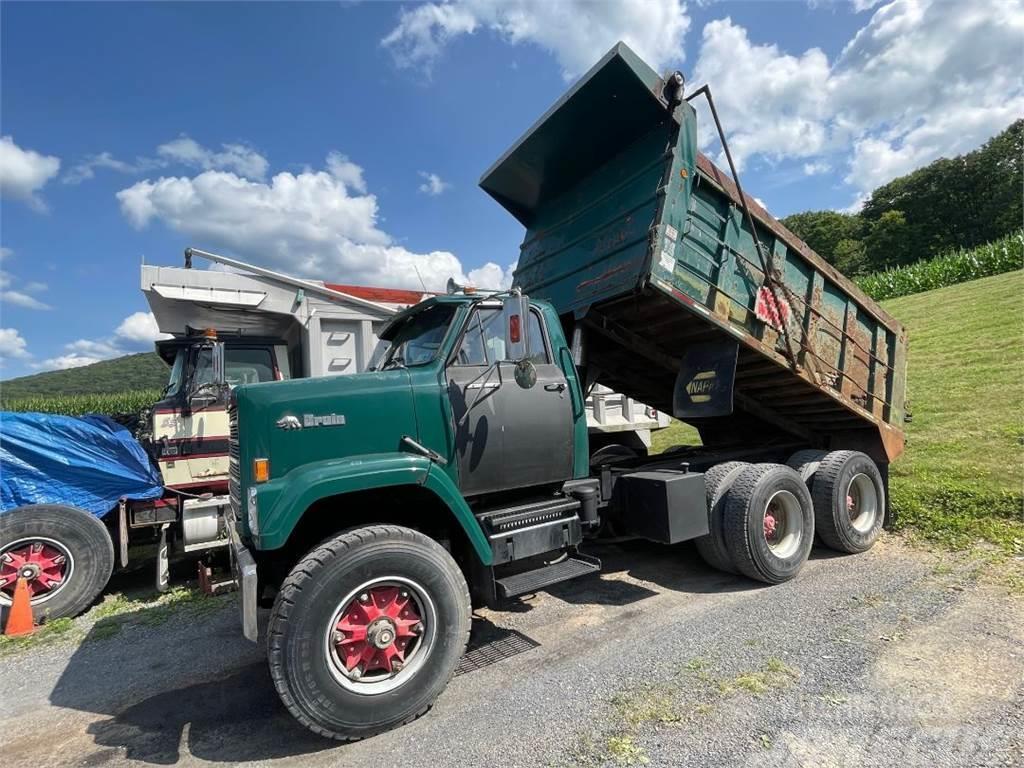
{"x": 311, "y": 420}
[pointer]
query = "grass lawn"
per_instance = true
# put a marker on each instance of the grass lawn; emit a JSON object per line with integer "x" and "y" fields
{"x": 962, "y": 476}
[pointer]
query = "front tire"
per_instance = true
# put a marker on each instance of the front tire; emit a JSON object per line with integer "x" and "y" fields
{"x": 367, "y": 630}
{"x": 65, "y": 553}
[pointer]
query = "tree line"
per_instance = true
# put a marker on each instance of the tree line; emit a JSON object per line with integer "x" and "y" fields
{"x": 958, "y": 202}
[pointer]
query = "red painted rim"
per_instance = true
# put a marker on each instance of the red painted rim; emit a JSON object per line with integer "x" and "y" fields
{"x": 44, "y": 563}
{"x": 377, "y": 631}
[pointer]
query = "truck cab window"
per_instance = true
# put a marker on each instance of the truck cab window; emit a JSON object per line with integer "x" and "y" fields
{"x": 242, "y": 365}
{"x": 538, "y": 351}
{"x": 484, "y": 340}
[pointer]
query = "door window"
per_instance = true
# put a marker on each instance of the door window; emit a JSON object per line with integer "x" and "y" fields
{"x": 484, "y": 340}
{"x": 537, "y": 350}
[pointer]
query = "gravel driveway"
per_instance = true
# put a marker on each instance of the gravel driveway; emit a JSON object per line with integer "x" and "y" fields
{"x": 894, "y": 657}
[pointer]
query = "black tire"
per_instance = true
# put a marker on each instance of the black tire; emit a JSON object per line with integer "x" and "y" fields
{"x": 806, "y": 462}
{"x": 717, "y": 481}
{"x": 81, "y": 536}
{"x": 832, "y": 487}
{"x": 309, "y": 600}
{"x": 744, "y": 523}
{"x": 614, "y": 453}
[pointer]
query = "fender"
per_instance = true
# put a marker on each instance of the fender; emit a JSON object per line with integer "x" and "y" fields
{"x": 283, "y": 501}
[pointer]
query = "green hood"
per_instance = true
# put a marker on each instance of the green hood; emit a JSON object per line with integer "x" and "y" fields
{"x": 339, "y": 416}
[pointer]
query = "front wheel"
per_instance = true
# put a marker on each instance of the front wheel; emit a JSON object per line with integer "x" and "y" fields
{"x": 367, "y": 631}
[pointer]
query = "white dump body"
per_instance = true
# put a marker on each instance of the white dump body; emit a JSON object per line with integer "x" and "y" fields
{"x": 337, "y": 332}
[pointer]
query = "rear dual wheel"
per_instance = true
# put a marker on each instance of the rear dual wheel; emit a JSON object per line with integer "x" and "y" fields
{"x": 849, "y": 501}
{"x": 367, "y": 630}
{"x": 768, "y": 523}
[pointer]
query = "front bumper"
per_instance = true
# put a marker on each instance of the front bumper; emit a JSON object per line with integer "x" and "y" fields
{"x": 243, "y": 568}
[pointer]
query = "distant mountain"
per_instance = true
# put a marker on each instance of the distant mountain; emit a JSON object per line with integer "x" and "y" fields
{"x": 122, "y": 374}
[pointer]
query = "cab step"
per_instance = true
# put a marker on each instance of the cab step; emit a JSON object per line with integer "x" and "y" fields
{"x": 572, "y": 567}
{"x": 535, "y": 528}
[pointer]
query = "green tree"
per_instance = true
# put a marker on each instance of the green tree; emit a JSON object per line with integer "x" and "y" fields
{"x": 824, "y": 230}
{"x": 889, "y": 242}
{"x": 851, "y": 257}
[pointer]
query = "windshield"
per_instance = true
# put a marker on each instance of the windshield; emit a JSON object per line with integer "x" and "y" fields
{"x": 414, "y": 342}
{"x": 242, "y": 365}
{"x": 177, "y": 373}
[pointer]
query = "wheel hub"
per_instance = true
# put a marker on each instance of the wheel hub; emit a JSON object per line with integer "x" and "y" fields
{"x": 377, "y": 632}
{"x": 43, "y": 565}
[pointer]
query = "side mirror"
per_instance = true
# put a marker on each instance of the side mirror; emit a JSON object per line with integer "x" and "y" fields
{"x": 525, "y": 373}
{"x": 217, "y": 363}
{"x": 515, "y": 309}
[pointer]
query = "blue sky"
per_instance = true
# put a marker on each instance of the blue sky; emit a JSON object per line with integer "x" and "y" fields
{"x": 344, "y": 140}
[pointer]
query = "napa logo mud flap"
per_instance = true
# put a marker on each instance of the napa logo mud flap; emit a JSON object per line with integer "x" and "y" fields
{"x": 704, "y": 384}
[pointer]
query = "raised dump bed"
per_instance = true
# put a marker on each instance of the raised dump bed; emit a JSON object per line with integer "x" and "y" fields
{"x": 642, "y": 242}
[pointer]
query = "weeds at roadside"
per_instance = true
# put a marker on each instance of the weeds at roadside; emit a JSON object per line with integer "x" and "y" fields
{"x": 46, "y": 634}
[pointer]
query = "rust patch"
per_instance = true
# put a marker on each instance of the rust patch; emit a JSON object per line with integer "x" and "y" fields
{"x": 602, "y": 277}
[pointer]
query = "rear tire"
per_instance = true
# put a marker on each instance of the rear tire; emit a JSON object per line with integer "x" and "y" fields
{"x": 769, "y": 523}
{"x": 717, "y": 481}
{"x": 849, "y": 501}
{"x": 806, "y": 463}
{"x": 75, "y": 546}
{"x": 317, "y": 664}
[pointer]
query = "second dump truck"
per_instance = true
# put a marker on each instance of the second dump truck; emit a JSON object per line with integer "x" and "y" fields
{"x": 372, "y": 511}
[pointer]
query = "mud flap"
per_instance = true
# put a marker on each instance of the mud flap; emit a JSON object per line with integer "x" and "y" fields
{"x": 704, "y": 384}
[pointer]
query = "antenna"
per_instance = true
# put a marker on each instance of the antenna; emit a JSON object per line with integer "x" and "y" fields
{"x": 416, "y": 269}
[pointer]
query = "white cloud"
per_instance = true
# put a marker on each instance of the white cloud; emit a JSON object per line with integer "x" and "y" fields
{"x": 577, "y": 32}
{"x": 63, "y": 362}
{"x": 816, "y": 168}
{"x": 771, "y": 103}
{"x": 137, "y": 331}
{"x": 22, "y": 300}
{"x": 235, "y": 157}
{"x": 345, "y": 171}
{"x": 141, "y": 328}
{"x": 921, "y": 80}
{"x": 86, "y": 169}
{"x": 20, "y": 297}
{"x": 320, "y": 224}
{"x": 491, "y": 277}
{"x": 432, "y": 184}
{"x": 12, "y": 345}
{"x": 23, "y": 172}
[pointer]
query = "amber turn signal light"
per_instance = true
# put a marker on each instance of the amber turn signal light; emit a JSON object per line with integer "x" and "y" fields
{"x": 261, "y": 470}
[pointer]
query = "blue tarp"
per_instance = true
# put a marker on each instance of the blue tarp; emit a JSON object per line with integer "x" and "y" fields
{"x": 89, "y": 462}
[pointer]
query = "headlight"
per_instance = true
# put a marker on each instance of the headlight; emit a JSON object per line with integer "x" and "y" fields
{"x": 252, "y": 513}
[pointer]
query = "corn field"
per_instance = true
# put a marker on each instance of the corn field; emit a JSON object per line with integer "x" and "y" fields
{"x": 78, "y": 405}
{"x": 1003, "y": 255}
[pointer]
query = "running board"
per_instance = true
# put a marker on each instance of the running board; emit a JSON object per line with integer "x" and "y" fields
{"x": 573, "y": 566}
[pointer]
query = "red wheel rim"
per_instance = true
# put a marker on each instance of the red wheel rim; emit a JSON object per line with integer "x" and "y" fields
{"x": 44, "y": 563}
{"x": 377, "y": 632}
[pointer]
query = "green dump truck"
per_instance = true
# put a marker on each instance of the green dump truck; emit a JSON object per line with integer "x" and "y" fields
{"x": 372, "y": 511}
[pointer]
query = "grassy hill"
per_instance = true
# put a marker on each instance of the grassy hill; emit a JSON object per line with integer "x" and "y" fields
{"x": 122, "y": 374}
{"x": 962, "y": 476}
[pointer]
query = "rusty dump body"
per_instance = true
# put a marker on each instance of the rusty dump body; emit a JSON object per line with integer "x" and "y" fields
{"x": 642, "y": 242}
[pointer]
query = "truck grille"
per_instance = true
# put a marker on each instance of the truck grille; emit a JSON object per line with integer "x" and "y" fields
{"x": 234, "y": 469}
